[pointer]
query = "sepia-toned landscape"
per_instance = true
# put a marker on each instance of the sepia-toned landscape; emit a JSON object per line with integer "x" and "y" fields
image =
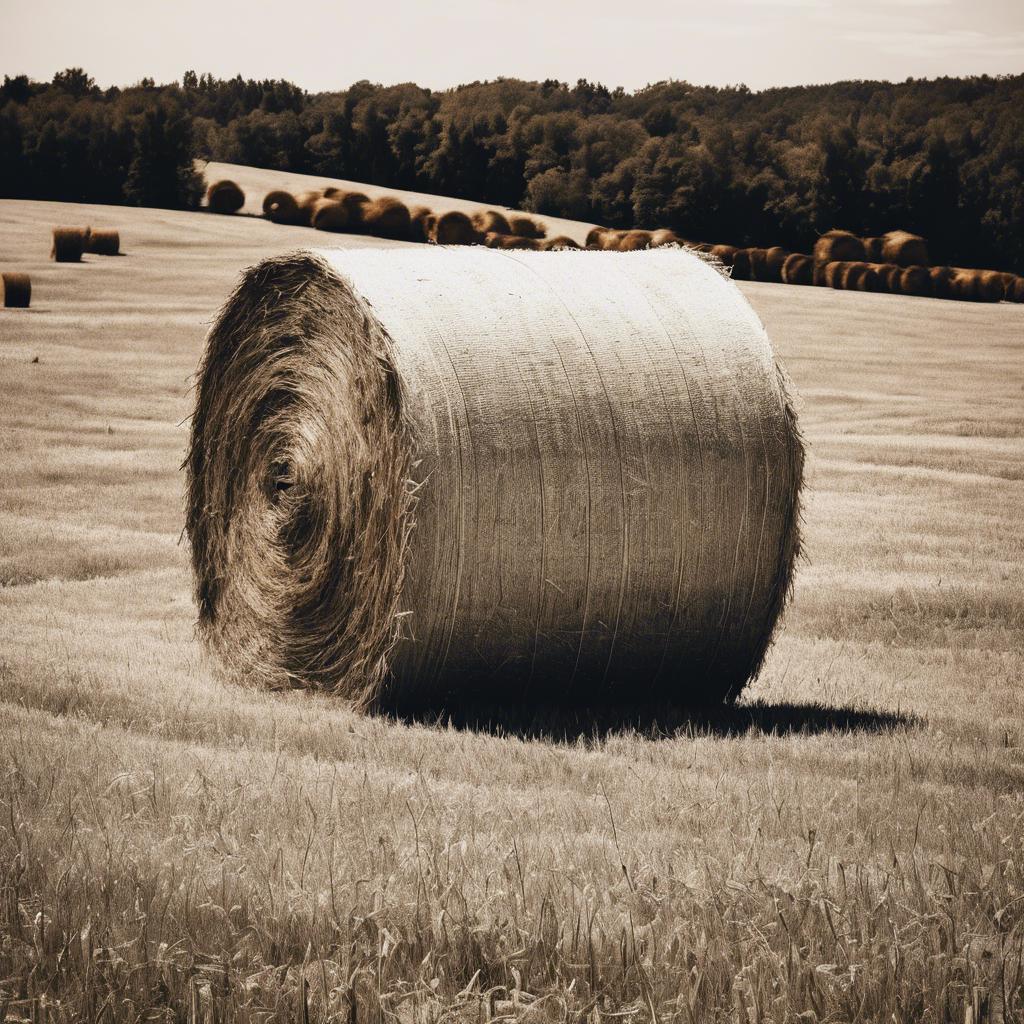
{"x": 845, "y": 844}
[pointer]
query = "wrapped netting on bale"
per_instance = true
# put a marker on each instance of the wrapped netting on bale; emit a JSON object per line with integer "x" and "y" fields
{"x": 435, "y": 476}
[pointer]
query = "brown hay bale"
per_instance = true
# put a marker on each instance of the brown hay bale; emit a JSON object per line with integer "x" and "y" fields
{"x": 329, "y": 215}
{"x": 741, "y": 270}
{"x": 1006, "y": 282}
{"x": 990, "y": 285}
{"x": 835, "y": 273}
{"x": 320, "y": 395}
{"x": 387, "y": 217}
{"x": 862, "y": 277}
{"x": 17, "y": 289}
{"x": 774, "y": 261}
{"x": 970, "y": 285}
{"x": 635, "y": 241}
{"x": 664, "y": 236}
{"x": 104, "y": 242}
{"x": 69, "y": 244}
{"x": 724, "y": 253}
{"x": 491, "y": 221}
{"x": 942, "y": 278}
{"x": 496, "y": 240}
{"x": 280, "y": 207}
{"x": 559, "y": 242}
{"x": 224, "y": 197}
{"x": 916, "y": 281}
{"x": 838, "y": 247}
{"x": 904, "y": 249}
{"x": 758, "y": 263}
{"x": 526, "y": 227}
{"x": 333, "y": 192}
{"x": 420, "y": 225}
{"x": 873, "y": 249}
{"x": 304, "y": 205}
{"x": 455, "y": 228}
{"x": 889, "y": 278}
{"x": 798, "y": 269}
{"x": 1015, "y": 293}
{"x": 611, "y": 240}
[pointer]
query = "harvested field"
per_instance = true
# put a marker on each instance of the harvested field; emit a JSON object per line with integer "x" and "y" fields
{"x": 868, "y": 785}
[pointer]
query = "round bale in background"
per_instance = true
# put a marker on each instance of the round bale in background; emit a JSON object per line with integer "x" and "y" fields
{"x": 17, "y": 289}
{"x": 774, "y": 261}
{"x": 916, "y": 281}
{"x": 526, "y": 227}
{"x": 104, "y": 242}
{"x": 873, "y": 249}
{"x": 329, "y": 215}
{"x": 559, "y": 242}
{"x": 415, "y": 518}
{"x": 904, "y": 249}
{"x": 69, "y": 244}
{"x": 635, "y": 241}
{"x": 491, "y": 222}
{"x": 280, "y": 207}
{"x": 224, "y": 197}
{"x": 837, "y": 246}
{"x": 798, "y": 269}
{"x": 455, "y": 228}
{"x": 664, "y": 236}
{"x": 942, "y": 282}
{"x": 387, "y": 217}
{"x": 724, "y": 253}
{"x": 421, "y": 224}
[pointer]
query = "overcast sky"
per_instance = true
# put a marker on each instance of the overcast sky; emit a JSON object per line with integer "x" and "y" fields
{"x": 330, "y": 44}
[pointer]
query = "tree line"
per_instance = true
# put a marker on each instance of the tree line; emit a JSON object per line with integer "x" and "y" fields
{"x": 943, "y": 158}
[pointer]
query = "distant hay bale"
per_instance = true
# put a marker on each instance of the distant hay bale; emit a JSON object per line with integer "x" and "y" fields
{"x": 333, "y": 192}
{"x": 455, "y": 228}
{"x": 861, "y": 276}
{"x": 104, "y": 242}
{"x": 420, "y": 224}
{"x": 1015, "y": 293}
{"x": 611, "y": 240}
{"x": 664, "y": 236}
{"x": 942, "y": 278}
{"x": 741, "y": 265}
{"x": 280, "y": 207}
{"x": 17, "y": 289}
{"x": 69, "y": 244}
{"x": 599, "y": 505}
{"x": 497, "y": 240}
{"x": 304, "y": 205}
{"x": 970, "y": 285}
{"x": 916, "y": 281}
{"x": 990, "y": 285}
{"x": 838, "y": 247}
{"x": 758, "y": 263}
{"x": 387, "y": 217}
{"x": 329, "y": 215}
{"x": 798, "y": 269}
{"x": 526, "y": 227}
{"x": 491, "y": 221}
{"x": 835, "y": 274}
{"x": 559, "y": 242}
{"x": 1006, "y": 281}
{"x": 873, "y": 249}
{"x": 889, "y": 275}
{"x": 904, "y": 249}
{"x": 598, "y": 237}
{"x": 724, "y": 253}
{"x": 774, "y": 261}
{"x": 225, "y": 197}
{"x": 635, "y": 241}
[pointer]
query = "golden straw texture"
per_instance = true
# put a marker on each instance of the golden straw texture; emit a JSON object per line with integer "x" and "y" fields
{"x": 431, "y": 476}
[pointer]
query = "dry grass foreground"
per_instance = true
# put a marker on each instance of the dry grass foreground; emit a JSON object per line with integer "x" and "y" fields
{"x": 848, "y": 846}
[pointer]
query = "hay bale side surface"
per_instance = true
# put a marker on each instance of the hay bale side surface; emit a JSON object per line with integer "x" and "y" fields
{"x": 387, "y": 217}
{"x": 559, "y": 242}
{"x": 69, "y": 244}
{"x": 455, "y": 228}
{"x": 329, "y": 215}
{"x": 280, "y": 207}
{"x": 17, "y": 289}
{"x": 837, "y": 246}
{"x": 526, "y": 227}
{"x": 225, "y": 197}
{"x": 916, "y": 281}
{"x": 104, "y": 242}
{"x": 491, "y": 222}
{"x": 904, "y": 249}
{"x": 798, "y": 269}
{"x": 537, "y": 576}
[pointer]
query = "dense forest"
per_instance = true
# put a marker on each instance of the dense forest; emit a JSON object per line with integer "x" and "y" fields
{"x": 944, "y": 158}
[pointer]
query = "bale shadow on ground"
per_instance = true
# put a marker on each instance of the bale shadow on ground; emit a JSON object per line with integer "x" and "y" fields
{"x": 594, "y": 724}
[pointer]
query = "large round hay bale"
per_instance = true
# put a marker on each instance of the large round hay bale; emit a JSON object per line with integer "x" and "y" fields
{"x": 834, "y": 275}
{"x": 455, "y": 228}
{"x": 279, "y": 206}
{"x": 387, "y": 217}
{"x": 526, "y": 227}
{"x": 759, "y": 270}
{"x": 104, "y": 242}
{"x": 559, "y": 242}
{"x": 17, "y": 289}
{"x": 860, "y": 276}
{"x": 774, "y": 261}
{"x": 990, "y": 285}
{"x": 422, "y": 517}
{"x": 889, "y": 278}
{"x": 69, "y": 244}
{"x": 497, "y": 240}
{"x": 873, "y": 249}
{"x": 724, "y": 253}
{"x": 838, "y": 247}
{"x": 798, "y": 269}
{"x": 491, "y": 222}
{"x": 1015, "y": 292}
{"x": 329, "y": 215}
{"x": 594, "y": 236}
{"x": 942, "y": 279}
{"x": 916, "y": 281}
{"x": 904, "y": 249}
{"x": 419, "y": 224}
{"x": 611, "y": 240}
{"x": 224, "y": 197}
{"x": 305, "y": 203}
{"x": 970, "y": 285}
{"x": 741, "y": 270}
{"x": 664, "y": 236}
{"x": 635, "y": 241}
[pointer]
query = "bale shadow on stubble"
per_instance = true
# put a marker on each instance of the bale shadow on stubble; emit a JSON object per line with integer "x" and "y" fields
{"x": 556, "y": 723}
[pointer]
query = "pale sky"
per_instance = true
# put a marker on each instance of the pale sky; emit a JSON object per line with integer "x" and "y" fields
{"x": 330, "y": 44}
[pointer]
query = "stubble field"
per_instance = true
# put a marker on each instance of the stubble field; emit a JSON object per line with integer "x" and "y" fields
{"x": 846, "y": 845}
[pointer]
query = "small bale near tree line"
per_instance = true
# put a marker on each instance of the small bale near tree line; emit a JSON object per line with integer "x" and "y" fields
{"x": 774, "y": 261}
{"x": 942, "y": 282}
{"x": 386, "y": 217}
{"x": 635, "y": 241}
{"x": 916, "y": 281}
{"x": 304, "y": 205}
{"x": 322, "y": 401}
{"x": 455, "y": 228}
{"x": 526, "y": 227}
{"x": 664, "y": 236}
{"x": 837, "y": 246}
{"x": 329, "y": 215}
{"x": 280, "y": 207}
{"x": 491, "y": 222}
{"x": 104, "y": 242}
{"x": 224, "y": 197}
{"x": 798, "y": 269}
{"x": 69, "y": 244}
{"x": 421, "y": 224}
{"x": 724, "y": 253}
{"x": 904, "y": 249}
{"x": 741, "y": 270}
{"x": 17, "y": 289}
{"x": 873, "y": 249}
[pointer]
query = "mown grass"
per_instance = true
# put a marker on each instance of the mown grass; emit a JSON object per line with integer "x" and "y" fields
{"x": 844, "y": 846}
